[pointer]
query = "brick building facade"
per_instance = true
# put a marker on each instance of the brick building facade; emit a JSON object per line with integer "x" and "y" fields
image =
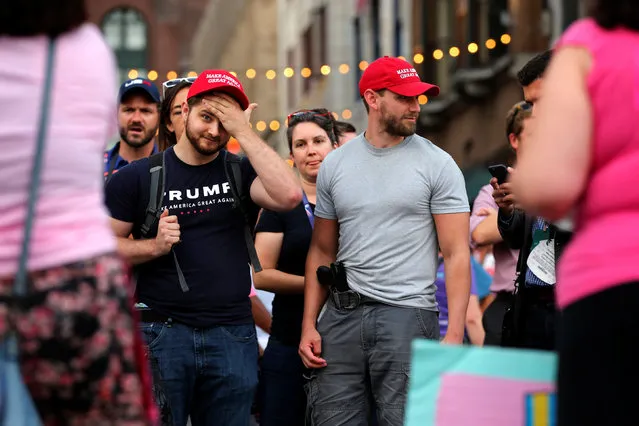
{"x": 149, "y": 35}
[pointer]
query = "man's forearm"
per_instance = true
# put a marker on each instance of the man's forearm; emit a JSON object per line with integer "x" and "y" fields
{"x": 276, "y": 176}
{"x": 457, "y": 273}
{"x": 314, "y": 293}
{"x": 137, "y": 251}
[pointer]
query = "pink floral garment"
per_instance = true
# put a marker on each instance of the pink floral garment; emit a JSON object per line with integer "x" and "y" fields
{"x": 80, "y": 353}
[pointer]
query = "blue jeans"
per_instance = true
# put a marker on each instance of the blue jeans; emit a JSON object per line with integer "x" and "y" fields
{"x": 282, "y": 397}
{"x": 209, "y": 374}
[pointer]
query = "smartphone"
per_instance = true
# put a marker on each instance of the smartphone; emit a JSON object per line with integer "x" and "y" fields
{"x": 500, "y": 172}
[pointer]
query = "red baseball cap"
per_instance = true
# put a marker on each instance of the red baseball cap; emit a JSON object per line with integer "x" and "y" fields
{"x": 396, "y": 75}
{"x": 219, "y": 81}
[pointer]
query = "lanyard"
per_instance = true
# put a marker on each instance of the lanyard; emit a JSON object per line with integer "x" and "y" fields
{"x": 115, "y": 153}
{"x": 307, "y": 208}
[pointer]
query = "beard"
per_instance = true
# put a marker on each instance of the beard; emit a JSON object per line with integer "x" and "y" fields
{"x": 136, "y": 141}
{"x": 394, "y": 126}
{"x": 204, "y": 145}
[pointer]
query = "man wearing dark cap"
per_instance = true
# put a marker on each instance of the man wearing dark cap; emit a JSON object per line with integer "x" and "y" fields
{"x": 138, "y": 120}
{"x": 193, "y": 266}
{"x": 385, "y": 201}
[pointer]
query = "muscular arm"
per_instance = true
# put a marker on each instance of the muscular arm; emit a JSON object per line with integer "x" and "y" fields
{"x": 553, "y": 169}
{"x": 323, "y": 251}
{"x": 268, "y": 246}
{"x": 276, "y": 187}
{"x": 452, "y": 232}
{"x": 133, "y": 251}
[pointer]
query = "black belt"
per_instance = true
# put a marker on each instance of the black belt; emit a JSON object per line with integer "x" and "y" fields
{"x": 349, "y": 299}
{"x": 149, "y": 315}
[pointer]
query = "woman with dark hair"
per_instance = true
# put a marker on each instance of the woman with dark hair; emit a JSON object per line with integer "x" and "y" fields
{"x": 171, "y": 122}
{"x": 583, "y": 158}
{"x": 282, "y": 240}
{"x": 80, "y": 353}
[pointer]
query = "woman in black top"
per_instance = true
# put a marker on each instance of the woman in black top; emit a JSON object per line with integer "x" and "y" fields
{"x": 282, "y": 241}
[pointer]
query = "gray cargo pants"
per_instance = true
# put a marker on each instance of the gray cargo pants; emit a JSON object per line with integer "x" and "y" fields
{"x": 367, "y": 350}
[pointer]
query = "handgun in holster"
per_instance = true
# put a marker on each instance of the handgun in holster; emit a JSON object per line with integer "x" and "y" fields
{"x": 333, "y": 276}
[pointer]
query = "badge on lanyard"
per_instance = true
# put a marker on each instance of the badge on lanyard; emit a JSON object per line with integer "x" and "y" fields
{"x": 309, "y": 211}
{"x": 541, "y": 261}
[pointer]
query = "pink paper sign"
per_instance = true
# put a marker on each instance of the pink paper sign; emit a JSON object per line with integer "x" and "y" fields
{"x": 466, "y": 399}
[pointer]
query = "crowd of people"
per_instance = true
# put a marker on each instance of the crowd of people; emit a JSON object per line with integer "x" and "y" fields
{"x": 143, "y": 262}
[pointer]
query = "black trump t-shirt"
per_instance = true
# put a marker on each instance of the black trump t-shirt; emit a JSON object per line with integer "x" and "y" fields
{"x": 288, "y": 308}
{"x": 212, "y": 253}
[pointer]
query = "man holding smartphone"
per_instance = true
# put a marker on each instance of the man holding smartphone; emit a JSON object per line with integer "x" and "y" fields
{"x": 532, "y": 321}
{"x": 485, "y": 232}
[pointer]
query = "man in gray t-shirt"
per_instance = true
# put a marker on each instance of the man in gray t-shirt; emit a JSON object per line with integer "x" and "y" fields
{"x": 385, "y": 202}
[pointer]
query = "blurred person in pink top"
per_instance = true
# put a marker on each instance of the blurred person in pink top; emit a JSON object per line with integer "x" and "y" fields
{"x": 585, "y": 157}
{"x": 75, "y": 327}
{"x": 484, "y": 231}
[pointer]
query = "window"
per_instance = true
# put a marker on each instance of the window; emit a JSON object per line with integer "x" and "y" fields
{"x": 307, "y": 59}
{"x": 398, "y": 29}
{"x": 498, "y": 10}
{"x": 357, "y": 36}
{"x": 125, "y": 30}
{"x": 425, "y": 39}
{"x": 323, "y": 35}
{"x": 374, "y": 8}
{"x": 475, "y": 19}
{"x": 291, "y": 98}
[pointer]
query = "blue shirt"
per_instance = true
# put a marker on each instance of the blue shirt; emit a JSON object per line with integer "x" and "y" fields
{"x": 442, "y": 297}
{"x": 113, "y": 161}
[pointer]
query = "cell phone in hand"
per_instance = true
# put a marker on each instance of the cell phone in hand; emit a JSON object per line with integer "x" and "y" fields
{"x": 500, "y": 172}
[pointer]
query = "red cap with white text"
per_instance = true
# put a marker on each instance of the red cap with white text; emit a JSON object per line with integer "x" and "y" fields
{"x": 219, "y": 81}
{"x": 396, "y": 75}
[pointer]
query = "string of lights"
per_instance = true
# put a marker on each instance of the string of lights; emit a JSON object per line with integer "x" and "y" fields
{"x": 326, "y": 70}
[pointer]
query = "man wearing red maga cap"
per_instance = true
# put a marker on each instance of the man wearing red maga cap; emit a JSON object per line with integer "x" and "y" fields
{"x": 193, "y": 261}
{"x": 386, "y": 201}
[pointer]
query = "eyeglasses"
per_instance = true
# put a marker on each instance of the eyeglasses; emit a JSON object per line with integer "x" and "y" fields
{"x": 520, "y": 106}
{"x": 174, "y": 82}
{"x": 308, "y": 113}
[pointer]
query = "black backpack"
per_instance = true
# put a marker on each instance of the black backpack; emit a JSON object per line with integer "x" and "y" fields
{"x": 233, "y": 174}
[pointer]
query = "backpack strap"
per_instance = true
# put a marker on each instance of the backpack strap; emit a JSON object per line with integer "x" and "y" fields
{"x": 154, "y": 208}
{"x": 232, "y": 162}
{"x": 156, "y": 194}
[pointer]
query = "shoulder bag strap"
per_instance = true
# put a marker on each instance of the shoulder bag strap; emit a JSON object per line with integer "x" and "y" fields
{"x": 20, "y": 283}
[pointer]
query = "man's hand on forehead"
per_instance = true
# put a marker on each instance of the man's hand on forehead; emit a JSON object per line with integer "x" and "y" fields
{"x": 220, "y": 99}
{"x": 228, "y": 111}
